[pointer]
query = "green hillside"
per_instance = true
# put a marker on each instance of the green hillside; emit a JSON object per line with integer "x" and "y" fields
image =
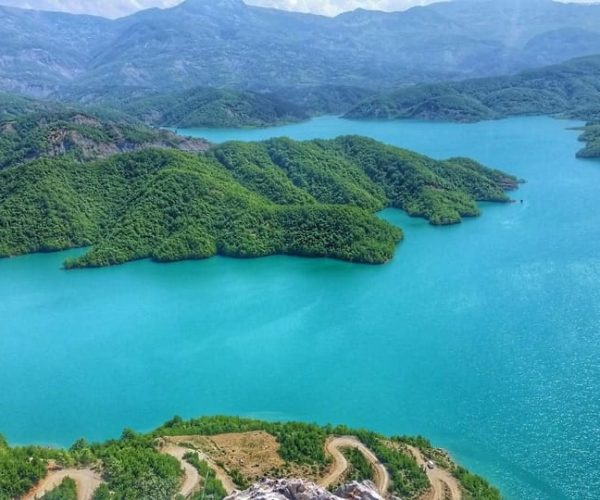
{"x": 591, "y": 137}
{"x": 323, "y": 99}
{"x": 12, "y": 106}
{"x": 208, "y": 107}
{"x": 314, "y": 198}
{"x": 80, "y": 135}
{"x": 136, "y": 465}
{"x": 571, "y": 89}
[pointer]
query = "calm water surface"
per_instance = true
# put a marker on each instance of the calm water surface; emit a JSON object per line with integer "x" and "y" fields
{"x": 484, "y": 337}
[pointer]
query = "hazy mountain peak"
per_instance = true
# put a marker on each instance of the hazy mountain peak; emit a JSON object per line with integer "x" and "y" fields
{"x": 212, "y": 4}
{"x": 509, "y": 2}
{"x": 226, "y": 43}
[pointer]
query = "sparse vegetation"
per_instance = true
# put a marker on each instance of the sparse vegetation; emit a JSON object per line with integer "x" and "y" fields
{"x": 299, "y": 442}
{"x": 212, "y": 488}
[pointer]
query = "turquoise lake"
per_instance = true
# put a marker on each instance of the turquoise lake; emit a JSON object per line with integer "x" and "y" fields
{"x": 484, "y": 337}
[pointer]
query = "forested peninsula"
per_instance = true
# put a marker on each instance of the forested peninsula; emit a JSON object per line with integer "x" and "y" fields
{"x": 129, "y": 192}
{"x": 184, "y": 458}
{"x": 591, "y": 137}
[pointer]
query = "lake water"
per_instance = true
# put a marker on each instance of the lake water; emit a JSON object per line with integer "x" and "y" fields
{"x": 485, "y": 337}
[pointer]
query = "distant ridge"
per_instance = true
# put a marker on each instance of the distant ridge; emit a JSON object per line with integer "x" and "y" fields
{"x": 571, "y": 90}
{"x": 230, "y": 44}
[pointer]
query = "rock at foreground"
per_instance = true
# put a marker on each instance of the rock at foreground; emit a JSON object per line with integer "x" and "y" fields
{"x": 297, "y": 489}
{"x": 355, "y": 490}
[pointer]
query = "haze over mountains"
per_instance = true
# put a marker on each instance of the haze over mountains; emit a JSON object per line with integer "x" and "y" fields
{"x": 229, "y": 44}
{"x": 570, "y": 89}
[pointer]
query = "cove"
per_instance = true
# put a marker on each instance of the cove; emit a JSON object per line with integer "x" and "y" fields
{"x": 484, "y": 337}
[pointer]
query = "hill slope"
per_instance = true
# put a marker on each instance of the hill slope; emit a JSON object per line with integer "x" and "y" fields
{"x": 591, "y": 137}
{"x": 209, "y": 107}
{"x": 80, "y": 135}
{"x": 571, "y": 89}
{"x": 199, "y": 457}
{"x": 314, "y": 198}
{"x": 226, "y": 43}
{"x": 13, "y": 106}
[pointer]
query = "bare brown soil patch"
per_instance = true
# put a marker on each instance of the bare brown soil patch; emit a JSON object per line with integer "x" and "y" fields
{"x": 253, "y": 454}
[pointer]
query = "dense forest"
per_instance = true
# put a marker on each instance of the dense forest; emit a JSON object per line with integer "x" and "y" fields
{"x": 591, "y": 137}
{"x": 134, "y": 467}
{"x": 80, "y": 136}
{"x": 210, "y": 107}
{"x": 315, "y": 198}
{"x": 323, "y": 99}
{"x": 219, "y": 107}
{"x": 196, "y": 107}
{"x": 21, "y": 468}
{"x": 202, "y": 106}
{"x": 570, "y": 89}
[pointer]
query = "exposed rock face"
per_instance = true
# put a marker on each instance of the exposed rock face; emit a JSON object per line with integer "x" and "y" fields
{"x": 62, "y": 140}
{"x": 359, "y": 491}
{"x": 297, "y": 489}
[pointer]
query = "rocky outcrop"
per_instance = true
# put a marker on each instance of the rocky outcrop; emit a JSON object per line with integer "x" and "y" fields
{"x": 85, "y": 137}
{"x": 297, "y": 489}
{"x": 359, "y": 491}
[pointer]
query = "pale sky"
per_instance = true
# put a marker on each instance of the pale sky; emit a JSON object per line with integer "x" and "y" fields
{"x": 118, "y": 8}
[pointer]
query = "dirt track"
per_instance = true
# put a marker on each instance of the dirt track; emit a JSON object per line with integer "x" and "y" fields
{"x": 87, "y": 482}
{"x": 340, "y": 464}
{"x": 444, "y": 485}
{"x": 191, "y": 482}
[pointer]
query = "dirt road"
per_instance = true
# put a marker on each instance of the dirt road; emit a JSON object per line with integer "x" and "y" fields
{"x": 444, "y": 485}
{"x": 192, "y": 479}
{"x": 87, "y": 482}
{"x": 340, "y": 464}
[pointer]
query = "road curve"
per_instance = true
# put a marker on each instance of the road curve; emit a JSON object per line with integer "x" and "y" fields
{"x": 191, "y": 482}
{"x": 442, "y": 482}
{"x": 87, "y": 482}
{"x": 334, "y": 446}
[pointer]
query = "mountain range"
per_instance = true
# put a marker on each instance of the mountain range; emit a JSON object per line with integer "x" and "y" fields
{"x": 226, "y": 43}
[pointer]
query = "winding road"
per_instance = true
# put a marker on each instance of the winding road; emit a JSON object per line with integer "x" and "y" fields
{"x": 444, "y": 485}
{"x": 191, "y": 482}
{"x": 87, "y": 482}
{"x": 340, "y": 464}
